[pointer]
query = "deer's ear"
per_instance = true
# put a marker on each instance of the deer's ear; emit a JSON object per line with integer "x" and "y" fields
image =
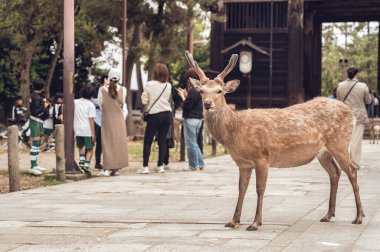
{"x": 231, "y": 86}
{"x": 196, "y": 83}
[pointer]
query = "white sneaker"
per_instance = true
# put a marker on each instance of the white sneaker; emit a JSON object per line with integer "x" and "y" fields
{"x": 104, "y": 173}
{"x": 41, "y": 169}
{"x": 160, "y": 169}
{"x": 35, "y": 172}
{"x": 167, "y": 167}
{"x": 143, "y": 170}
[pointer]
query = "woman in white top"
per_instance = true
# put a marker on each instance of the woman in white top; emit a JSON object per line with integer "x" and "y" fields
{"x": 156, "y": 97}
{"x": 111, "y": 101}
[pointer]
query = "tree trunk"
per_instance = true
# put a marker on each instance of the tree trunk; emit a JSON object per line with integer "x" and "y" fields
{"x": 140, "y": 86}
{"x": 26, "y": 58}
{"x": 132, "y": 57}
{"x": 53, "y": 64}
{"x": 152, "y": 50}
{"x": 154, "y": 41}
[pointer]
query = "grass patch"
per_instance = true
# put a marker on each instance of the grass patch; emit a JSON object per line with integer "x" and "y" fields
{"x": 51, "y": 182}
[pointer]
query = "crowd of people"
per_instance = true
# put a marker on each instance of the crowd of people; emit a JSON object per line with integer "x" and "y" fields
{"x": 99, "y": 123}
{"x": 101, "y": 112}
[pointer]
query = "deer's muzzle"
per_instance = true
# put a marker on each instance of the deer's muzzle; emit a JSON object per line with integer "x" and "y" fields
{"x": 207, "y": 104}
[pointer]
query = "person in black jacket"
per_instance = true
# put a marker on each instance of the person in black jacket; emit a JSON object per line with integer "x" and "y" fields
{"x": 39, "y": 111}
{"x": 19, "y": 112}
{"x": 192, "y": 120}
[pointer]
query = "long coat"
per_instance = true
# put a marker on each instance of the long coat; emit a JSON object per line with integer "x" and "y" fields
{"x": 114, "y": 132}
{"x": 356, "y": 99}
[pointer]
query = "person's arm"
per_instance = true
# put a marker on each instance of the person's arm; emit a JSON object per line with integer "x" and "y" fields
{"x": 191, "y": 100}
{"x": 125, "y": 107}
{"x": 367, "y": 96}
{"x": 182, "y": 93}
{"x": 338, "y": 94}
{"x": 92, "y": 126}
{"x": 145, "y": 95}
{"x": 91, "y": 116}
{"x": 14, "y": 112}
{"x": 61, "y": 113}
{"x": 100, "y": 98}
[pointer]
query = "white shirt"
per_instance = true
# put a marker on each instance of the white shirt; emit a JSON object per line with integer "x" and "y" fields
{"x": 98, "y": 118}
{"x": 48, "y": 123}
{"x": 118, "y": 88}
{"x": 83, "y": 111}
{"x": 152, "y": 91}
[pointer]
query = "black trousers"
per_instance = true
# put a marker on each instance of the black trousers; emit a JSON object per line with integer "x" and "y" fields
{"x": 98, "y": 150}
{"x": 156, "y": 123}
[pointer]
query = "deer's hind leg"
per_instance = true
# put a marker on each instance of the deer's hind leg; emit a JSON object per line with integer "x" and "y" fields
{"x": 342, "y": 156}
{"x": 244, "y": 178}
{"x": 328, "y": 163}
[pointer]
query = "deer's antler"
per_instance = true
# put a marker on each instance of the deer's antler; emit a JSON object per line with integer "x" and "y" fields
{"x": 194, "y": 64}
{"x": 228, "y": 69}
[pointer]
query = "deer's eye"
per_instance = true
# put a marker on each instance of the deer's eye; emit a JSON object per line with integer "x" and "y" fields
{"x": 219, "y": 91}
{"x": 201, "y": 91}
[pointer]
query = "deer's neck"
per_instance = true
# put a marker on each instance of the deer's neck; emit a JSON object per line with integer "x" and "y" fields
{"x": 222, "y": 124}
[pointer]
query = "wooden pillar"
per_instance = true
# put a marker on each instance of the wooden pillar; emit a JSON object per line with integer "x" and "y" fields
{"x": 13, "y": 163}
{"x": 216, "y": 46}
{"x": 60, "y": 152}
{"x": 317, "y": 76}
{"x": 68, "y": 86}
{"x": 295, "y": 51}
{"x": 378, "y": 61}
{"x": 308, "y": 54}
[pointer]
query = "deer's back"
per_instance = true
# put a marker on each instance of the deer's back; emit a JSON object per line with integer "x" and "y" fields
{"x": 294, "y": 135}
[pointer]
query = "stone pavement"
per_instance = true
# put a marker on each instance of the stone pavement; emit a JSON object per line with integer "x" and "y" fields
{"x": 186, "y": 211}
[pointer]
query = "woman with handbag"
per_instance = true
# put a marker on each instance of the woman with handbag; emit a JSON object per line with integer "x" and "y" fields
{"x": 356, "y": 95}
{"x": 156, "y": 98}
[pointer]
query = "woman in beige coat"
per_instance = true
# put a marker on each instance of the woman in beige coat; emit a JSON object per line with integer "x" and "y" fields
{"x": 111, "y": 100}
{"x": 356, "y": 95}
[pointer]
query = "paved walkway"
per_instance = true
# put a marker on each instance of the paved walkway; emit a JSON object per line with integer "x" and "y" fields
{"x": 186, "y": 211}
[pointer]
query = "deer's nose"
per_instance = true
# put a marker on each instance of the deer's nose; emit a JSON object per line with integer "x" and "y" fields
{"x": 207, "y": 104}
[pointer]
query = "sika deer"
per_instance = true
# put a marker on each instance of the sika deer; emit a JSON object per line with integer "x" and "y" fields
{"x": 374, "y": 131}
{"x": 262, "y": 138}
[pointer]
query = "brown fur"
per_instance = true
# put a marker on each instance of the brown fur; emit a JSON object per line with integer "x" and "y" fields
{"x": 258, "y": 139}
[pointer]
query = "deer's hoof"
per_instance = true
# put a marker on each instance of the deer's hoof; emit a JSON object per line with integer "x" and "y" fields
{"x": 359, "y": 218}
{"x": 253, "y": 227}
{"x": 324, "y": 219}
{"x": 230, "y": 225}
{"x": 327, "y": 217}
{"x": 357, "y": 221}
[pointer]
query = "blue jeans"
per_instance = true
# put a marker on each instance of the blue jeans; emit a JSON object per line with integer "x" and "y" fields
{"x": 192, "y": 127}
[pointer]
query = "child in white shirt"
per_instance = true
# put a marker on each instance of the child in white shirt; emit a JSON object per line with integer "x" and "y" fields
{"x": 84, "y": 129}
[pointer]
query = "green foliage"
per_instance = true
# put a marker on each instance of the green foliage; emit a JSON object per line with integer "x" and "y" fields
{"x": 35, "y": 28}
{"x": 362, "y": 47}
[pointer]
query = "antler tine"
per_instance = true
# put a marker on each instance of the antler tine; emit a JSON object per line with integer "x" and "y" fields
{"x": 229, "y": 67}
{"x": 194, "y": 64}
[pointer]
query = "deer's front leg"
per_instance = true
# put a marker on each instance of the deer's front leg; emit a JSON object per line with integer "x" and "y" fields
{"x": 244, "y": 178}
{"x": 261, "y": 171}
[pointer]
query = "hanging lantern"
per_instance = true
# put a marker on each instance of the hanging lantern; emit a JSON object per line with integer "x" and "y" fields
{"x": 245, "y": 62}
